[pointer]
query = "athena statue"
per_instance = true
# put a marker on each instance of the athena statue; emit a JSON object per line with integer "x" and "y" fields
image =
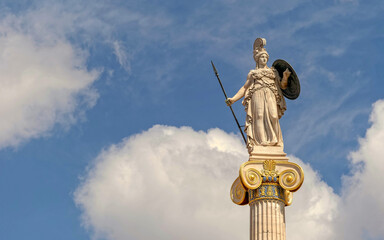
{"x": 263, "y": 101}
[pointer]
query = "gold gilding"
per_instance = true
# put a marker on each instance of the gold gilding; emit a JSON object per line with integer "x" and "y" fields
{"x": 238, "y": 193}
{"x": 267, "y": 191}
{"x": 269, "y": 169}
{"x": 289, "y": 179}
{"x": 251, "y": 179}
{"x": 267, "y": 179}
{"x": 288, "y": 196}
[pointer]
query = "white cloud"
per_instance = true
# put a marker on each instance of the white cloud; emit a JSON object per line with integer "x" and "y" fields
{"x": 173, "y": 183}
{"x": 44, "y": 79}
{"x": 166, "y": 183}
{"x": 357, "y": 213}
{"x": 314, "y": 208}
{"x": 363, "y": 198}
{"x": 121, "y": 55}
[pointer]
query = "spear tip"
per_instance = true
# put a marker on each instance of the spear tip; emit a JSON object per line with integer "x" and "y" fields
{"x": 214, "y": 68}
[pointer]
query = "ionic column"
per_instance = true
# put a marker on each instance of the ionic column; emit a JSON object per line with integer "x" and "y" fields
{"x": 267, "y": 187}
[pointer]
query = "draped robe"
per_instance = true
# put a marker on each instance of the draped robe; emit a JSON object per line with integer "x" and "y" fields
{"x": 264, "y": 105}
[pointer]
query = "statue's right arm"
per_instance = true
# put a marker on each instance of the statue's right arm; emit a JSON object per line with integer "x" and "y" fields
{"x": 241, "y": 91}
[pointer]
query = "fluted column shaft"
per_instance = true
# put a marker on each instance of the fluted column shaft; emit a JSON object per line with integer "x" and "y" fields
{"x": 267, "y": 220}
{"x": 267, "y": 212}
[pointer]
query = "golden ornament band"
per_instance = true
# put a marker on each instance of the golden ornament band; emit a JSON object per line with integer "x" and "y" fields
{"x": 266, "y": 191}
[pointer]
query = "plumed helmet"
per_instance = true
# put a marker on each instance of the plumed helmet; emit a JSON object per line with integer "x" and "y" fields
{"x": 258, "y": 48}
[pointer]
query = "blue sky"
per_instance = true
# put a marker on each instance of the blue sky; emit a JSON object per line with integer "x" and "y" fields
{"x": 83, "y": 83}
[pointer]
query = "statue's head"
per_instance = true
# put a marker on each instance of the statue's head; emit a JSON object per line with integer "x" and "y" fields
{"x": 259, "y": 51}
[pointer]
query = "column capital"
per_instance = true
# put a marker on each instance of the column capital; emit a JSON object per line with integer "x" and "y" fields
{"x": 258, "y": 174}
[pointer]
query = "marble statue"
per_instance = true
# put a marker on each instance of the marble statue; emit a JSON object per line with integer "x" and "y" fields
{"x": 263, "y": 101}
{"x": 267, "y": 180}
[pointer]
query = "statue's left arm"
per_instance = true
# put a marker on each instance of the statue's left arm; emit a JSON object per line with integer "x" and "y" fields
{"x": 284, "y": 81}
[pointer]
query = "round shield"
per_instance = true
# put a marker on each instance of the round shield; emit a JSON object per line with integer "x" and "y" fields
{"x": 293, "y": 89}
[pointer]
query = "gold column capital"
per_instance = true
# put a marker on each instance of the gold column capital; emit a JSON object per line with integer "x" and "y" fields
{"x": 256, "y": 176}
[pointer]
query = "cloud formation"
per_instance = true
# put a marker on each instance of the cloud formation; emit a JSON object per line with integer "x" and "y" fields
{"x": 314, "y": 210}
{"x": 44, "y": 79}
{"x": 168, "y": 183}
{"x": 363, "y": 200}
{"x": 173, "y": 183}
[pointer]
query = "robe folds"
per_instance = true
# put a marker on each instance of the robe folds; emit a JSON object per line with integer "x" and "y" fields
{"x": 264, "y": 105}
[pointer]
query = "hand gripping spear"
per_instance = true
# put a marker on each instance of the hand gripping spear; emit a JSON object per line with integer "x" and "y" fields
{"x": 222, "y": 88}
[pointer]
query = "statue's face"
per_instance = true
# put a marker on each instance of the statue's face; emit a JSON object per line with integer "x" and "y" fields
{"x": 263, "y": 59}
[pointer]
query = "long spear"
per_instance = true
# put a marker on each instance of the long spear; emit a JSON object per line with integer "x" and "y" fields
{"x": 222, "y": 88}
